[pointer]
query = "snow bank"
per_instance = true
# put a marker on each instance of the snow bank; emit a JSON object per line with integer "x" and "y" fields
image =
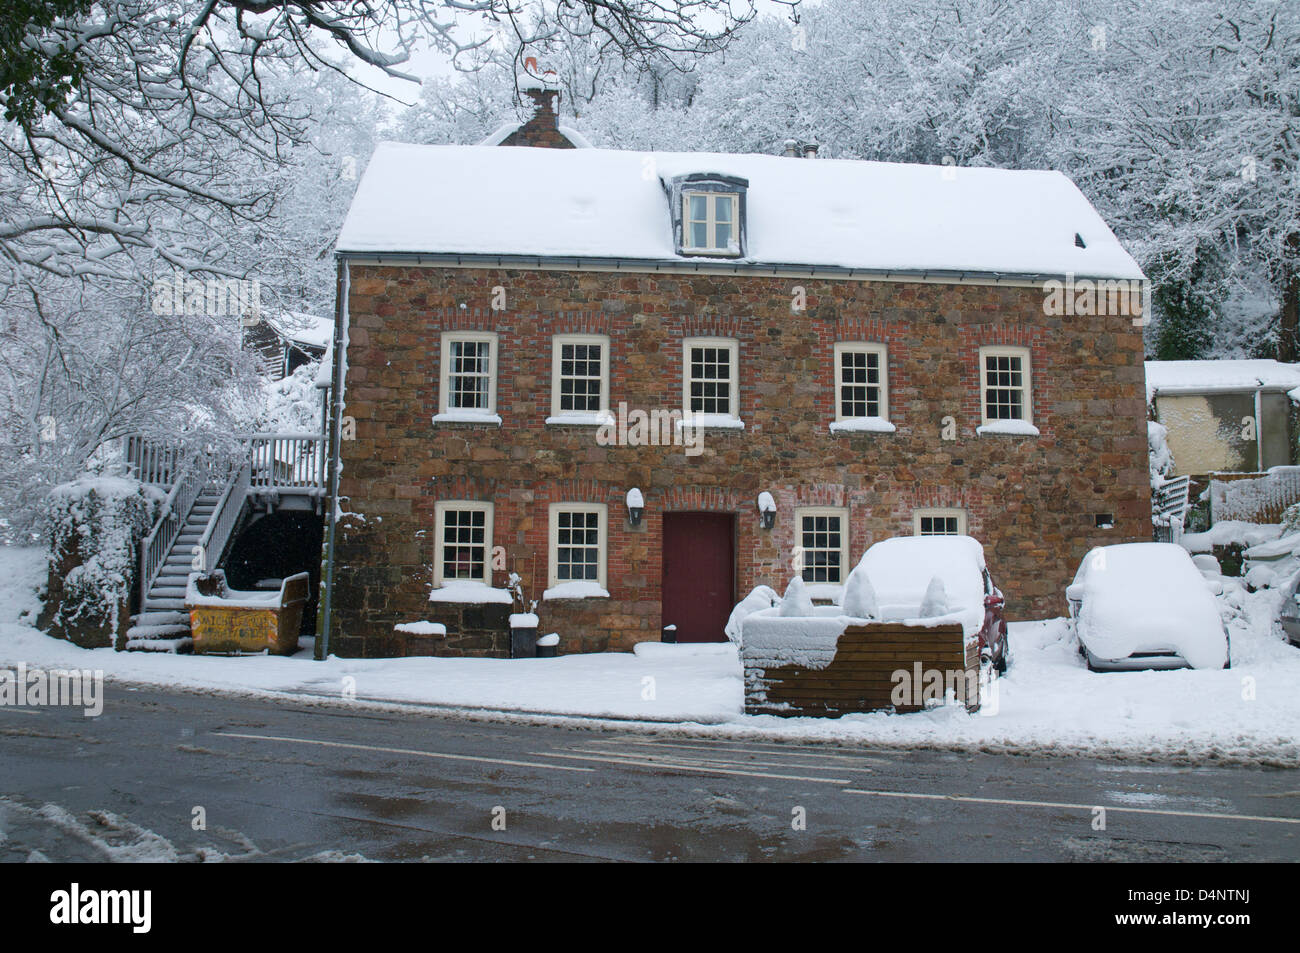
{"x": 1047, "y": 702}
{"x": 1229, "y": 533}
{"x": 576, "y": 590}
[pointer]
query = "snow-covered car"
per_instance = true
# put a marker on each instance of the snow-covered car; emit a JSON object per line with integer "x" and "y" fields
{"x": 1145, "y": 605}
{"x": 1290, "y": 615}
{"x": 903, "y": 572}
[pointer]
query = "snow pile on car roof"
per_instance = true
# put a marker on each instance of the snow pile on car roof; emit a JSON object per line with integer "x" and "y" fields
{"x": 1149, "y": 597}
{"x": 901, "y": 570}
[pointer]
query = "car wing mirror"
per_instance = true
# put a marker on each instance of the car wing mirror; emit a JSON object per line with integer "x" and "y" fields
{"x": 1074, "y": 592}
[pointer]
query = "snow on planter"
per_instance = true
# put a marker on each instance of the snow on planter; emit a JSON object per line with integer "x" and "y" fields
{"x": 913, "y": 606}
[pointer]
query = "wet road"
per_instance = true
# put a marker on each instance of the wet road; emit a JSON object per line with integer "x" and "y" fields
{"x": 165, "y": 775}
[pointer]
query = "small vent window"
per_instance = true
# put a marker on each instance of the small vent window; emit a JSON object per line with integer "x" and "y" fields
{"x": 1079, "y": 242}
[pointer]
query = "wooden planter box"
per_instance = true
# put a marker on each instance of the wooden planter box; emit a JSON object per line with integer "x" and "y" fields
{"x": 863, "y": 674}
{"x": 232, "y": 622}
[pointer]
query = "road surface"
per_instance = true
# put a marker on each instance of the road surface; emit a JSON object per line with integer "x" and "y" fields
{"x": 171, "y": 775}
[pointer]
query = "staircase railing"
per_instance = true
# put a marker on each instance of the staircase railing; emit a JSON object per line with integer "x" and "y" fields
{"x": 222, "y": 521}
{"x": 156, "y": 546}
{"x": 288, "y": 461}
{"x": 150, "y": 461}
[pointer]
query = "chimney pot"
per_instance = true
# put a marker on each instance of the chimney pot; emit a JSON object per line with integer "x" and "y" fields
{"x": 791, "y": 149}
{"x": 810, "y": 150}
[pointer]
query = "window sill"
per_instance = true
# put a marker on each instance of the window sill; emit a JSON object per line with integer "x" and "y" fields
{"x": 470, "y": 593}
{"x": 468, "y": 417}
{"x": 580, "y": 420}
{"x": 863, "y": 425}
{"x": 710, "y": 422}
{"x": 1008, "y": 428}
{"x": 575, "y": 590}
{"x": 709, "y": 252}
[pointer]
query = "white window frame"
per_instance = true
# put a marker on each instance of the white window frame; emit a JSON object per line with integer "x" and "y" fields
{"x": 557, "y": 344}
{"x": 440, "y": 509}
{"x": 553, "y": 541}
{"x": 1026, "y": 387}
{"x": 444, "y": 374}
{"x": 939, "y": 512}
{"x": 710, "y": 221}
{"x": 814, "y": 511}
{"x": 731, "y": 345}
{"x": 862, "y": 347}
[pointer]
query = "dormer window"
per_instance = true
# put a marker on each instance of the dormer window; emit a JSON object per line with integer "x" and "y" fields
{"x": 708, "y": 212}
{"x": 710, "y": 219}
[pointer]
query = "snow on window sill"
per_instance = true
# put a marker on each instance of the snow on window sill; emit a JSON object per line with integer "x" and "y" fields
{"x": 863, "y": 425}
{"x": 575, "y": 590}
{"x": 467, "y": 417}
{"x": 469, "y": 593}
{"x": 711, "y": 422}
{"x": 1014, "y": 428}
{"x": 421, "y": 628}
{"x": 580, "y": 420}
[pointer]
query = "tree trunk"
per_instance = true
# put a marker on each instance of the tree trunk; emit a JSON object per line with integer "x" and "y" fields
{"x": 1288, "y": 338}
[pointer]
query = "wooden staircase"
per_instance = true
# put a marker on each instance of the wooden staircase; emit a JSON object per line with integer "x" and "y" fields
{"x": 163, "y": 624}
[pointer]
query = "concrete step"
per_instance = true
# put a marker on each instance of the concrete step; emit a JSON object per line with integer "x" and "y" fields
{"x": 175, "y": 646}
{"x": 156, "y": 631}
{"x": 160, "y": 618}
{"x": 167, "y": 592}
{"x": 157, "y": 605}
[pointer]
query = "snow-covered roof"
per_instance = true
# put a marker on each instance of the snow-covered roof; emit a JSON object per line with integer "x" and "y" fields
{"x": 307, "y": 329}
{"x": 1193, "y": 377}
{"x": 605, "y": 204}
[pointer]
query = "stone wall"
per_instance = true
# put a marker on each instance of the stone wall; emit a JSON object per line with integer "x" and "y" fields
{"x": 1033, "y": 501}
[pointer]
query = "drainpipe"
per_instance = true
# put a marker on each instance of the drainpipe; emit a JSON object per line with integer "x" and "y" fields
{"x": 332, "y": 463}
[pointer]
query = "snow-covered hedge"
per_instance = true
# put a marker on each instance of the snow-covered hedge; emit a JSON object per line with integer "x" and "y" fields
{"x": 93, "y": 527}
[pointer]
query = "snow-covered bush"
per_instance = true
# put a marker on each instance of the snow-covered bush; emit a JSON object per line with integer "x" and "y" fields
{"x": 1160, "y": 458}
{"x": 935, "y": 601}
{"x": 760, "y": 598}
{"x": 796, "y": 601}
{"x": 860, "y": 600}
{"x": 93, "y": 526}
{"x": 293, "y": 405}
{"x": 1291, "y": 519}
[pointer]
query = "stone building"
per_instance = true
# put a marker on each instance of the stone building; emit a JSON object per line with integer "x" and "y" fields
{"x": 645, "y": 383}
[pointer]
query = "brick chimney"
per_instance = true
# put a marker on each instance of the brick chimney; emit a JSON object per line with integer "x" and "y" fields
{"x": 542, "y": 130}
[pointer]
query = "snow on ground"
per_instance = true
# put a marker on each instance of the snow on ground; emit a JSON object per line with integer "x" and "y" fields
{"x": 1048, "y": 699}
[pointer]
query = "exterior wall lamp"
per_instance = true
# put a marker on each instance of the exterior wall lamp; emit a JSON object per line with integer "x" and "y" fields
{"x": 635, "y": 506}
{"x": 766, "y": 510}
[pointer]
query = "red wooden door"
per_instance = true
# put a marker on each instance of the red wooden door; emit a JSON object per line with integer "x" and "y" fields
{"x": 699, "y": 583}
